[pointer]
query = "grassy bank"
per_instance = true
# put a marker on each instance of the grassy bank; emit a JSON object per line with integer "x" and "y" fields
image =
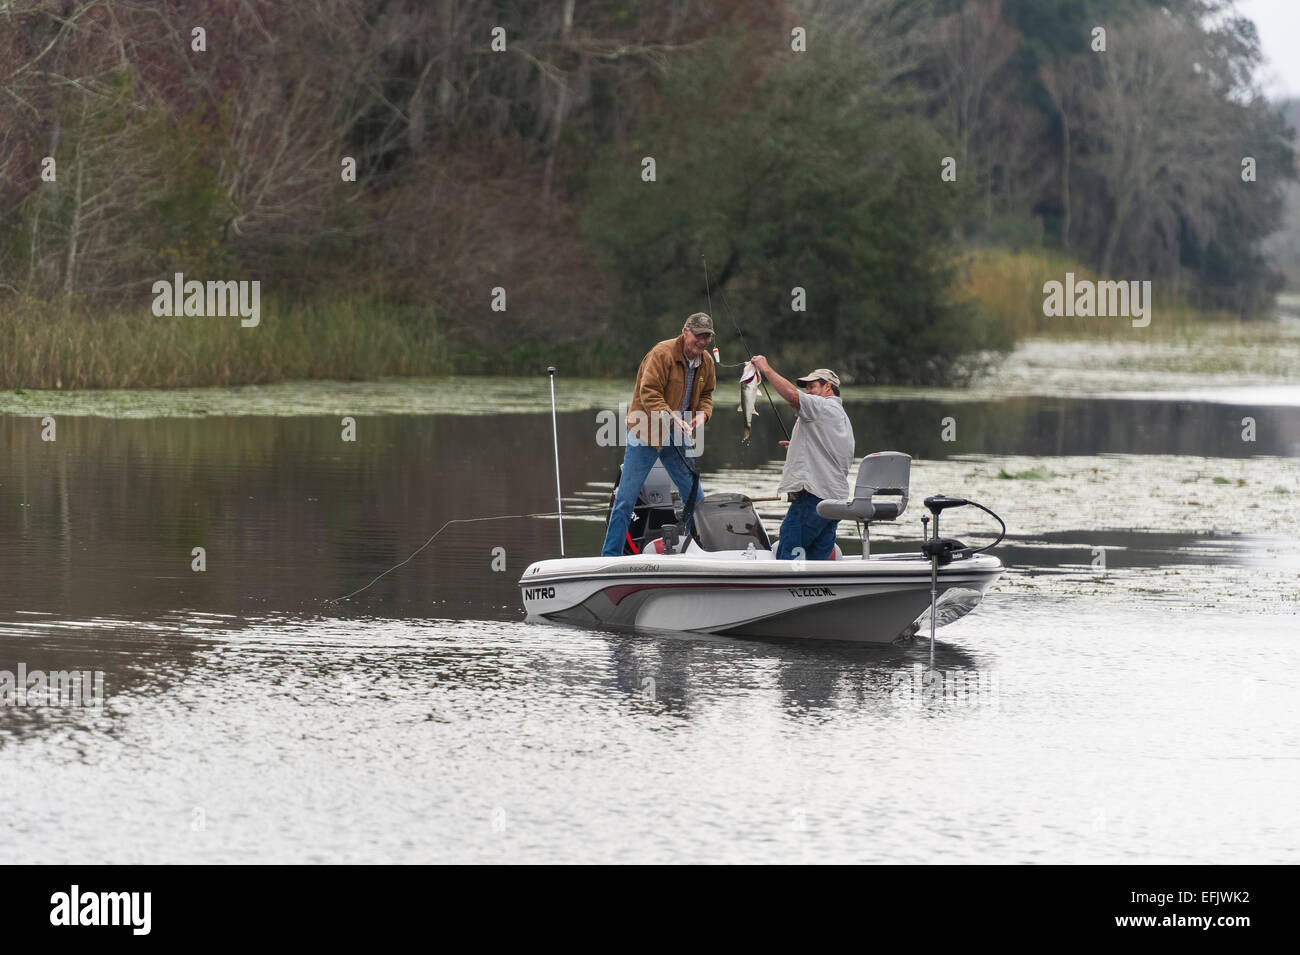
{"x": 1255, "y": 355}
{"x": 56, "y": 348}
{"x": 1009, "y": 285}
{"x": 53, "y": 348}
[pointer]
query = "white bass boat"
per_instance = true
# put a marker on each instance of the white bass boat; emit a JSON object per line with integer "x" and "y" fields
{"x": 722, "y": 577}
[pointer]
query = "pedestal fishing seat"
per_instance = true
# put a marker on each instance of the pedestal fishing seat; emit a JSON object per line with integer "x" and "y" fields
{"x": 882, "y": 473}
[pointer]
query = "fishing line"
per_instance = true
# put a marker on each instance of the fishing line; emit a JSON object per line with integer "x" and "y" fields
{"x": 458, "y": 520}
{"x": 744, "y": 344}
{"x": 687, "y": 515}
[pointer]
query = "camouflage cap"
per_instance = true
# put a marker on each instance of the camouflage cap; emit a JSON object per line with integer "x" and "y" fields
{"x": 699, "y": 322}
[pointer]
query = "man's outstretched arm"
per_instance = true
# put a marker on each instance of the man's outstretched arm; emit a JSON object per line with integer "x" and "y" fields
{"x": 784, "y": 388}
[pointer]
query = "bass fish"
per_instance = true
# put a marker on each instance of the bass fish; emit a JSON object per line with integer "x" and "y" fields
{"x": 748, "y": 396}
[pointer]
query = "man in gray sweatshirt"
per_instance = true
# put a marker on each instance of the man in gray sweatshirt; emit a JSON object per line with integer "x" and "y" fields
{"x": 818, "y": 462}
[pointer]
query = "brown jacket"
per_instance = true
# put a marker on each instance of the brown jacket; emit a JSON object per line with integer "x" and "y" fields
{"x": 660, "y": 384}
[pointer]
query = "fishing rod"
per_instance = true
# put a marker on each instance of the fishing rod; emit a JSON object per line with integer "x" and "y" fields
{"x": 555, "y": 440}
{"x": 744, "y": 344}
{"x": 688, "y": 510}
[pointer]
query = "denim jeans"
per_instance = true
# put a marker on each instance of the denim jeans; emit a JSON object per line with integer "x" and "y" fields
{"x": 638, "y": 459}
{"x": 804, "y": 527}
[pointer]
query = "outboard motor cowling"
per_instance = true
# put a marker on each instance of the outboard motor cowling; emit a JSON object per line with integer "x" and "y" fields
{"x": 657, "y": 504}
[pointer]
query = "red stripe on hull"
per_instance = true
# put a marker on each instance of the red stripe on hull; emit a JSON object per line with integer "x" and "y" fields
{"x": 617, "y": 593}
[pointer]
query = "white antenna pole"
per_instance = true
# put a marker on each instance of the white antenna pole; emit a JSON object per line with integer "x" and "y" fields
{"x": 555, "y": 439}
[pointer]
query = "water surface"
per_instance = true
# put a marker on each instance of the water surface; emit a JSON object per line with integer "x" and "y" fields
{"x": 1144, "y": 710}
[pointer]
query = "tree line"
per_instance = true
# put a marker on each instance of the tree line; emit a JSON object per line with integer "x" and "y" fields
{"x": 500, "y": 144}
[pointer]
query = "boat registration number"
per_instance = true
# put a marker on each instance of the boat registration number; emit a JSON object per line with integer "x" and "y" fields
{"x": 811, "y": 592}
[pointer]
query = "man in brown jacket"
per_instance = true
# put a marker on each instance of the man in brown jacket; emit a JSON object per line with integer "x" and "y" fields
{"x": 672, "y": 398}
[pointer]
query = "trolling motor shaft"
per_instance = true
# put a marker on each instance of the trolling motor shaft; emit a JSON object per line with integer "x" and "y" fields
{"x": 944, "y": 550}
{"x": 940, "y": 550}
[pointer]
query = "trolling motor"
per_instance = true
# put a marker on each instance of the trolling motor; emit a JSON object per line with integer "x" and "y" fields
{"x": 944, "y": 550}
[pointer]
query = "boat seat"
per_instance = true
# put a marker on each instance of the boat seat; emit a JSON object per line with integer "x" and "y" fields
{"x": 882, "y": 473}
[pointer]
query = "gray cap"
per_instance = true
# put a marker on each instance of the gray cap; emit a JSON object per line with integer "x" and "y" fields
{"x": 699, "y": 322}
{"x": 820, "y": 374}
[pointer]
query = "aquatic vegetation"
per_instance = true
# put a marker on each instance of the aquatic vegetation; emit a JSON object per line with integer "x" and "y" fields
{"x": 1030, "y": 474}
{"x": 409, "y": 396}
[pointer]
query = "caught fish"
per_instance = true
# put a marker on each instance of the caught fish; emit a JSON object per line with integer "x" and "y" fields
{"x": 748, "y": 396}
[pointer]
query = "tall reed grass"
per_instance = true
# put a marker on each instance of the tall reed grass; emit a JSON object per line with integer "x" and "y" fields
{"x": 1009, "y": 285}
{"x": 53, "y": 347}
{"x": 46, "y": 346}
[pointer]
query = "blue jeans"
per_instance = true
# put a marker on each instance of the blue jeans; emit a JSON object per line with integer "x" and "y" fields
{"x": 804, "y": 527}
{"x": 638, "y": 459}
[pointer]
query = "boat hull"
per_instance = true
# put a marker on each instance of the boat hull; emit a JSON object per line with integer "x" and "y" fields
{"x": 871, "y": 601}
